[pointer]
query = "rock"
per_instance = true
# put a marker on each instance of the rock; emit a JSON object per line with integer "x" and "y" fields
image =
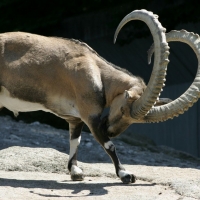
{"x": 14, "y": 137}
{"x": 87, "y": 140}
{"x": 38, "y": 159}
{"x": 35, "y": 123}
{"x": 31, "y": 170}
{"x": 41, "y": 173}
{"x": 89, "y": 144}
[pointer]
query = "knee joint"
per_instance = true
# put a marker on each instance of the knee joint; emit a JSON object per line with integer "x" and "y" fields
{"x": 109, "y": 146}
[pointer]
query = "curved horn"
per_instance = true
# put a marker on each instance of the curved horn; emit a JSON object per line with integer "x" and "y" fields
{"x": 186, "y": 100}
{"x": 157, "y": 79}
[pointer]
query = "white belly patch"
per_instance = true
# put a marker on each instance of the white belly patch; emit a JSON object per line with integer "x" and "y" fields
{"x": 17, "y": 105}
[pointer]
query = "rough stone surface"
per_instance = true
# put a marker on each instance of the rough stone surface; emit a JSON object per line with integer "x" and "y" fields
{"x": 33, "y": 165}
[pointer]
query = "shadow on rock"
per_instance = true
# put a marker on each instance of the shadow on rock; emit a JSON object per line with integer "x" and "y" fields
{"x": 75, "y": 187}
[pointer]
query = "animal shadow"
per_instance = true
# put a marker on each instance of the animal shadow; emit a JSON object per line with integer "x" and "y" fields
{"x": 76, "y": 188}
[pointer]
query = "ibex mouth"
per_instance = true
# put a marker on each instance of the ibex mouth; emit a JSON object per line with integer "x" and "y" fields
{"x": 113, "y": 134}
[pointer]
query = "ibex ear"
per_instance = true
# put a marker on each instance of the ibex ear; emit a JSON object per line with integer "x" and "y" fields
{"x": 127, "y": 95}
{"x": 131, "y": 95}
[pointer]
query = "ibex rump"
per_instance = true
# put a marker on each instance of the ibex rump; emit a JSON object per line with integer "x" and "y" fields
{"x": 68, "y": 78}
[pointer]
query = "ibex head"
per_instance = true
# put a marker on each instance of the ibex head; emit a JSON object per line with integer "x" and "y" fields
{"x": 119, "y": 117}
{"x": 143, "y": 105}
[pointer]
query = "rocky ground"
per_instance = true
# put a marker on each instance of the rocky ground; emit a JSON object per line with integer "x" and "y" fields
{"x": 33, "y": 165}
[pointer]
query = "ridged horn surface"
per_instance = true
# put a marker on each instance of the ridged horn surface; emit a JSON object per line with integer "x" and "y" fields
{"x": 186, "y": 100}
{"x": 157, "y": 79}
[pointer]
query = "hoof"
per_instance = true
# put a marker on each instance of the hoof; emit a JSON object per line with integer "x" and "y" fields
{"x": 77, "y": 177}
{"x": 129, "y": 178}
{"x": 76, "y": 173}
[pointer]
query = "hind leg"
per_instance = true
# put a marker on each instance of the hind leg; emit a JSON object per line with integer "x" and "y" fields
{"x": 75, "y": 128}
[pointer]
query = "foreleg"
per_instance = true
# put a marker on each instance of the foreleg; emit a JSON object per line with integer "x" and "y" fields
{"x": 99, "y": 131}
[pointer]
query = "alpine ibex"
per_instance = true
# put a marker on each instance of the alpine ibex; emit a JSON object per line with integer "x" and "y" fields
{"x": 68, "y": 78}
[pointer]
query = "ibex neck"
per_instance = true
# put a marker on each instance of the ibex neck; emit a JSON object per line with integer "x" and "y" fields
{"x": 115, "y": 83}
